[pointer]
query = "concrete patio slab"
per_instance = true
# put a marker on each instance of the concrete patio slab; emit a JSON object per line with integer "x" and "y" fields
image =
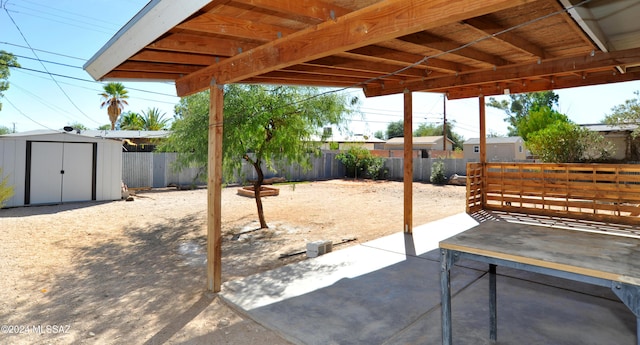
{"x": 387, "y": 291}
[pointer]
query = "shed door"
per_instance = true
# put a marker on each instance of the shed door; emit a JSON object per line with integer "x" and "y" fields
{"x": 61, "y": 172}
{"x": 77, "y": 164}
{"x": 45, "y": 180}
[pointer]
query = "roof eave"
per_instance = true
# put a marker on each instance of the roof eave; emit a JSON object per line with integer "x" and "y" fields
{"x": 155, "y": 19}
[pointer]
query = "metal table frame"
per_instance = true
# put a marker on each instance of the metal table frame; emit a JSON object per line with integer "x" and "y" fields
{"x": 629, "y": 294}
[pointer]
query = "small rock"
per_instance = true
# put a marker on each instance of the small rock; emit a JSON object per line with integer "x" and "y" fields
{"x": 91, "y": 334}
{"x": 129, "y": 198}
{"x": 223, "y": 322}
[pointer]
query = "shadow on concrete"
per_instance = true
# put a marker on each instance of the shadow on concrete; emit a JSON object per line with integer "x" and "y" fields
{"x": 400, "y": 304}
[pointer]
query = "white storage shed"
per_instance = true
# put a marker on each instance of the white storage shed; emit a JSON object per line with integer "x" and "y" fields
{"x": 51, "y": 167}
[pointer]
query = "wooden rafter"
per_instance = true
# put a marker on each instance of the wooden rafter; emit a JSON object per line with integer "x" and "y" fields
{"x": 202, "y": 45}
{"x": 173, "y": 57}
{"x": 234, "y": 27}
{"x": 486, "y": 26}
{"x": 379, "y": 22}
{"x": 309, "y": 11}
{"x": 442, "y": 45}
{"x": 392, "y": 55}
{"x": 366, "y": 65}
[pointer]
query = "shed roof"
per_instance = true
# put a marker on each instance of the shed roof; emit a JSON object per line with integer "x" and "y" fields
{"x": 126, "y": 134}
{"x": 462, "y": 48}
{"x": 602, "y": 127}
{"x": 53, "y": 135}
{"x": 494, "y": 140}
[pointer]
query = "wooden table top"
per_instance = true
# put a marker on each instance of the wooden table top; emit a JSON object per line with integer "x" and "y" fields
{"x": 597, "y": 255}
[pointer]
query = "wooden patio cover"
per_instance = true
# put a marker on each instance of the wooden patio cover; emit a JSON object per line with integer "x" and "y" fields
{"x": 463, "y": 48}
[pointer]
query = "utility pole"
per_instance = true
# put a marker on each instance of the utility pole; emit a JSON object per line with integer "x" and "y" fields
{"x": 444, "y": 124}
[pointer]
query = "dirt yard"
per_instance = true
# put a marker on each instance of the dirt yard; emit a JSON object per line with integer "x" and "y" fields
{"x": 134, "y": 272}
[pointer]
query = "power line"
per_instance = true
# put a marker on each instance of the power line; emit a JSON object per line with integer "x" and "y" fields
{"x": 84, "y": 80}
{"x": 51, "y": 62}
{"x": 45, "y": 68}
{"x": 43, "y": 51}
{"x": 25, "y": 115}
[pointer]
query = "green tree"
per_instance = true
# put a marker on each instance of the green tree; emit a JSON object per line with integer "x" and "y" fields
{"x": 104, "y": 127}
{"x": 395, "y": 129}
{"x": 7, "y": 60}
{"x": 154, "y": 120}
{"x": 114, "y": 97}
{"x": 426, "y": 130}
{"x": 537, "y": 120}
{"x": 566, "y": 142}
{"x": 379, "y": 135}
{"x": 4, "y": 130}
{"x": 520, "y": 105}
{"x": 626, "y": 113}
{"x": 131, "y": 121}
{"x": 263, "y": 126}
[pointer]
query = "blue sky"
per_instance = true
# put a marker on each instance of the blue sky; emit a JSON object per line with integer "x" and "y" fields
{"x": 64, "y": 34}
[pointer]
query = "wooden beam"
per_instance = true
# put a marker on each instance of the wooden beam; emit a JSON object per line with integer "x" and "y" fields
{"x": 171, "y": 57}
{"x": 376, "y": 23}
{"x": 483, "y": 146}
{"x": 408, "y": 162}
{"x": 366, "y": 65}
{"x": 327, "y": 71}
{"x": 545, "y": 84}
{"x": 486, "y": 26}
{"x": 140, "y": 76}
{"x": 443, "y": 45}
{"x": 202, "y": 45}
{"x": 483, "y": 130}
{"x": 574, "y": 64}
{"x": 157, "y": 67}
{"x": 234, "y": 27}
{"x": 393, "y": 56}
{"x": 309, "y": 11}
{"x": 214, "y": 189}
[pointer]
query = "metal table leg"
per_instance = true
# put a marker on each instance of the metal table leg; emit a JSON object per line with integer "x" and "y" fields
{"x": 445, "y": 290}
{"x": 493, "y": 305}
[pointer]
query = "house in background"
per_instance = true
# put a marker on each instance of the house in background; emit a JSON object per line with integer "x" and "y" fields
{"x": 499, "y": 149}
{"x": 627, "y": 148}
{"x": 52, "y": 167}
{"x": 345, "y": 142}
{"x": 424, "y": 145}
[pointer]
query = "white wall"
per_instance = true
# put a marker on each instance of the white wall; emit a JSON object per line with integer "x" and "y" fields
{"x": 12, "y": 161}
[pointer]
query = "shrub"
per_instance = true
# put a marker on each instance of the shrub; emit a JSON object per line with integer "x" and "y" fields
{"x": 437, "y": 173}
{"x": 6, "y": 191}
{"x": 359, "y": 161}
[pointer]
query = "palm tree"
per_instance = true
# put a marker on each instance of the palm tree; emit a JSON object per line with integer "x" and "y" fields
{"x": 114, "y": 98}
{"x": 131, "y": 121}
{"x": 154, "y": 120}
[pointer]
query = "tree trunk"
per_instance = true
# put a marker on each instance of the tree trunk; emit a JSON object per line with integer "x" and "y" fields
{"x": 256, "y": 190}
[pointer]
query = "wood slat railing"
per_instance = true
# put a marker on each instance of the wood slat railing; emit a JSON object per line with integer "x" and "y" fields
{"x": 602, "y": 192}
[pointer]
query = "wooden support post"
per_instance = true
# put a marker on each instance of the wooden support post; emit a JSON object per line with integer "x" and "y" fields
{"x": 408, "y": 162}
{"x": 483, "y": 148}
{"x": 214, "y": 189}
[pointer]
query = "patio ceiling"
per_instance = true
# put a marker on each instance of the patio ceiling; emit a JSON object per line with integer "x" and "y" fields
{"x": 464, "y": 48}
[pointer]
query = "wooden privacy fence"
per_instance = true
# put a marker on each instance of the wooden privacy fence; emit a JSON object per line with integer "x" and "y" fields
{"x": 602, "y": 192}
